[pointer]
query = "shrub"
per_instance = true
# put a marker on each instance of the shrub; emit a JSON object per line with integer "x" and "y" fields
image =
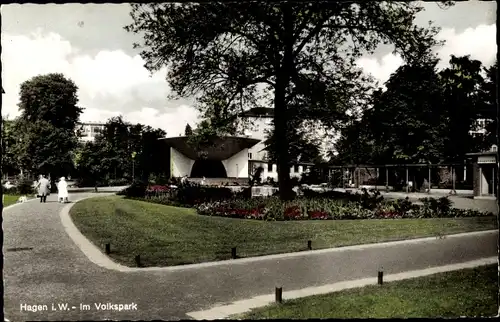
{"x": 136, "y": 190}
{"x": 25, "y": 187}
{"x": 190, "y": 193}
{"x": 10, "y": 191}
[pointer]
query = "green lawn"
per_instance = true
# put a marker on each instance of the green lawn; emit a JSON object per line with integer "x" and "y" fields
{"x": 9, "y": 200}
{"x": 165, "y": 236}
{"x": 470, "y": 292}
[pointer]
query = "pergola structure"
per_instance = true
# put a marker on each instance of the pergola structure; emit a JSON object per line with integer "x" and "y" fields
{"x": 357, "y": 169}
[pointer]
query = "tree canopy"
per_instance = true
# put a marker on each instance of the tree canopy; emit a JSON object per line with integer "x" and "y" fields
{"x": 424, "y": 115}
{"x": 52, "y": 98}
{"x": 298, "y": 57}
{"x": 10, "y": 140}
{"x": 46, "y": 127}
{"x": 110, "y": 155}
{"x": 188, "y": 130}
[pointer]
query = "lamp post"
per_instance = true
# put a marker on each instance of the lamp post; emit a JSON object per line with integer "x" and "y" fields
{"x": 133, "y": 166}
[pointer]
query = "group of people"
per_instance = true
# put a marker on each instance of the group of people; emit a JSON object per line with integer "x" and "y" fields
{"x": 43, "y": 188}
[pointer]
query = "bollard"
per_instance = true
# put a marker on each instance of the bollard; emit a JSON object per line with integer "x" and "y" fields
{"x": 233, "y": 253}
{"x": 138, "y": 260}
{"x": 309, "y": 245}
{"x": 380, "y": 278}
{"x": 279, "y": 294}
{"x": 108, "y": 248}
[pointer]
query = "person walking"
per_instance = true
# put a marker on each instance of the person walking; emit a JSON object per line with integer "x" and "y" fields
{"x": 62, "y": 190}
{"x": 43, "y": 187}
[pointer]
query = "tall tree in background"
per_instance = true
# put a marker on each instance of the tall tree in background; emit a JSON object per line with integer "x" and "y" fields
{"x": 49, "y": 113}
{"x": 489, "y": 110}
{"x": 463, "y": 100}
{"x": 188, "y": 131}
{"x": 10, "y": 146}
{"x": 110, "y": 155}
{"x": 424, "y": 116}
{"x": 301, "y": 54}
{"x": 404, "y": 123}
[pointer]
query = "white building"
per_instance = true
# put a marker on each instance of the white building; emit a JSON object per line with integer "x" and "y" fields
{"x": 89, "y": 130}
{"x": 231, "y": 157}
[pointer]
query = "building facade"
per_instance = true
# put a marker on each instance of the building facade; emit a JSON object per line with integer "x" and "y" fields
{"x": 89, "y": 130}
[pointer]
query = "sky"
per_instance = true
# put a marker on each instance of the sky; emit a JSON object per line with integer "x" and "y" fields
{"x": 88, "y": 44}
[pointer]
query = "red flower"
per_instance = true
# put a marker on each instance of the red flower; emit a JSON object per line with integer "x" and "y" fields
{"x": 317, "y": 214}
{"x": 292, "y": 212}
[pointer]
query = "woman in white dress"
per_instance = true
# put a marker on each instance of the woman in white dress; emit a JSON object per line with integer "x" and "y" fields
{"x": 62, "y": 190}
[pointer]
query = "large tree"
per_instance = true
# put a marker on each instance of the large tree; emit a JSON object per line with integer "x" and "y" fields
{"x": 463, "y": 101}
{"x": 52, "y": 98}
{"x": 302, "y": 55}
{"x": 46, "y": 127}
{"x": 489, "y": 109}
{"x": 403, "y": 122}
{"x": 422, "y": 116}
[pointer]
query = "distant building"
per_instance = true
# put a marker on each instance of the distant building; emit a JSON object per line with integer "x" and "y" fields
{"x": 89, "y": 130}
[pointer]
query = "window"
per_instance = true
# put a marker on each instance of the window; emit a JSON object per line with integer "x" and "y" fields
{"x": 250, "y": 155}
{"x": 296, "y": 168}
{"x": 269, "y": 167}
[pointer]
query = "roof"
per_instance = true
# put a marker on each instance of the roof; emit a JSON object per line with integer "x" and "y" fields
{"x": 223, "y": 149}
{"x": 259, "y": 112}
{"x": 482, "y": 153}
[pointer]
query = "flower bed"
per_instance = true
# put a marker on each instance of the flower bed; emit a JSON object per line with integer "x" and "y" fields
{"x": 326, "y": 209}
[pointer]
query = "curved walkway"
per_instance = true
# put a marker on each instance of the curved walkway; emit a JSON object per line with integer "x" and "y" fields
{"x": 54, "y": 270}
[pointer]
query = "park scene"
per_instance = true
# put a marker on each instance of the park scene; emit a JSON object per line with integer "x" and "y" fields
{"x": 298, "y": 182}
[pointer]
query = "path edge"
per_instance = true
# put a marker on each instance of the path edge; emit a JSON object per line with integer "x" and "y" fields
{"x": 244, "y": 306}
{"x": 96, "y": 255}
{"x": 89, "y": 249}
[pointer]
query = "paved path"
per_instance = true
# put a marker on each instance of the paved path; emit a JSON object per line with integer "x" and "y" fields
{"x": 56, "y": 271}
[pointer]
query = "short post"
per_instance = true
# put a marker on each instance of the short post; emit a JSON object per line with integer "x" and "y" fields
{"x": 309, "y": 245}
{"x": 386, "y": 179}
{"x": 279, "y": 294}
{"x": 138, "y": 260}
{"x": 233, "y": 253}
{"x": 108, "y": 248}
{"x": 380, "y": 278}
{"x": 429, "y": 190}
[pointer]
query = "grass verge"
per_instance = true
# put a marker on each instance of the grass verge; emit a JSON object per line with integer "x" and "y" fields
{"x": 469, "y": 292}
{"x": 9, "y": 200}
{"x": 166, "y": 236}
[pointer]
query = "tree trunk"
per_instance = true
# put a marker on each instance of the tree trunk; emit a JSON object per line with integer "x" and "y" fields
{"x": 280, "y": 106}
{"x": 280, "y": 132}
